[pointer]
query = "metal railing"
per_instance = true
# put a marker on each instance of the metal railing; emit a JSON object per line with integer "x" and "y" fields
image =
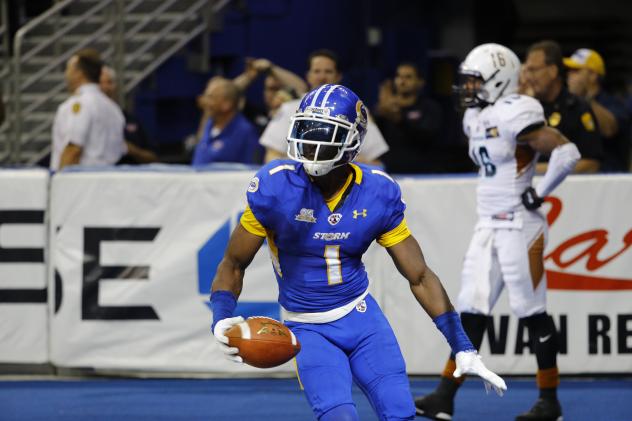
{"x": 5, "y": 66}
{"x": 169, "y": 52}
{"x": 114, "y": 31}
{"x": 19, "y": 58}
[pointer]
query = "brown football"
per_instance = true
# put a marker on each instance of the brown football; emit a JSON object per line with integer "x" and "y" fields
{"x": 263, "y": 342}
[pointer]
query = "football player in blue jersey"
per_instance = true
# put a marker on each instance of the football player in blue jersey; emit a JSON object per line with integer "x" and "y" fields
{"x": 320, "y": 212}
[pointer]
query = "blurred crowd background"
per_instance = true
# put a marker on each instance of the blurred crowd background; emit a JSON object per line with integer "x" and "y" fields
{"x": 401, "y": 57}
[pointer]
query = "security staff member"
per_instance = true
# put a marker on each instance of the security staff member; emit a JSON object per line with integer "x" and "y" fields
{"x": 571, "y": 115}
{"x": 586, "y": 71}
{"x": 88, "y": 127}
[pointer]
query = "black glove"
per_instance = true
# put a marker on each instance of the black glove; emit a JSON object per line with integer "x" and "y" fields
{"x": 530, "y": 199}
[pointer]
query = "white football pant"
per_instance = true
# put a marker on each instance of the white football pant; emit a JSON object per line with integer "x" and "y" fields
{"x": 505, "y": 253}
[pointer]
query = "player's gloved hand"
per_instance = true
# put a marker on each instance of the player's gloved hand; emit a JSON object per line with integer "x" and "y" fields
{"x": 469, "y": 362}
{"x": 222, "y": 340}
{"x": 530, "y": 199}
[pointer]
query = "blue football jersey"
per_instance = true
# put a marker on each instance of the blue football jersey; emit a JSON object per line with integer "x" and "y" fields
{"x": 316, "y": 251}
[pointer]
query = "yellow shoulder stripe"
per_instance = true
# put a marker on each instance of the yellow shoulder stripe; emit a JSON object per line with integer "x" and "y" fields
{"x": 394, "y": 236}
{"x": 249, "y": 221}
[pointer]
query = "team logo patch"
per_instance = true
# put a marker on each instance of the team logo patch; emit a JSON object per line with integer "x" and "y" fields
{"x": 361, "y": 113}
{"x": 357, "y": 213}
{"x": 254, "y": 185}
{"x": 334, "y": 218}
{"x": 588, "y": 122}
{"x": 76, "y": 107}
{"x": 491, "y": 132}
{"x": 306, "y": 215}
{"x": 361, "y": 306}
{"x": 554, "y": 119}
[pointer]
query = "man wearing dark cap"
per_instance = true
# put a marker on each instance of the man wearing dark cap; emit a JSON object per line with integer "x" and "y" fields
{"x": 570, "y": 114}
{"x": 586, "y": 71}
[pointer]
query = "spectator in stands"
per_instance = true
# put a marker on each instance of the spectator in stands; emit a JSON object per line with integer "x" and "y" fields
{"x": 323, "y": 68}
{"x": 227, "y": 136}
{"x": 138, "y": 146}
{"x": 586, "y": 70}
{"x": 411, "y": 122}
{"x": 280, "y": 85}
{"x": 571, "y": 115}
{"x": 88, "y": 127}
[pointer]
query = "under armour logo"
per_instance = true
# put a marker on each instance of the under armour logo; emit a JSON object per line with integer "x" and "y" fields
{"x": 356, "y": 214}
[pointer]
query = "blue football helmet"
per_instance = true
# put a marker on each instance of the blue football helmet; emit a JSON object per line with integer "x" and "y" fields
{"x": 327, "y": 130}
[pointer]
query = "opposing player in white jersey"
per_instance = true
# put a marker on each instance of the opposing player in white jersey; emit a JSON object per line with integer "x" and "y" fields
{"x": 507, "y": 132}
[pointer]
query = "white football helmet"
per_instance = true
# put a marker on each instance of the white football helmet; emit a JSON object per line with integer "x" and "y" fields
{"x": 488, "y": 73}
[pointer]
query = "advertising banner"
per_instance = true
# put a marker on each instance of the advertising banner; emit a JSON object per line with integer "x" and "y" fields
{"x": 23, "y": 278}
{"x": 133, "y": 255}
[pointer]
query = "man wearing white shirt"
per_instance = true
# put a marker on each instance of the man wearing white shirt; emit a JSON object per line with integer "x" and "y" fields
{"x": 323, "y": 69}
{"x": 88, "y": 127}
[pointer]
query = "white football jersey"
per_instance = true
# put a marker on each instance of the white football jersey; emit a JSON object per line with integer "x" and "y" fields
{"x": 506, "y": 166}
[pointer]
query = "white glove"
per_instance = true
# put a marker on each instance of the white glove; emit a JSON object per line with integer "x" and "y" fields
{"x": 222, "y": 340}
{"x": 469, "y": 362}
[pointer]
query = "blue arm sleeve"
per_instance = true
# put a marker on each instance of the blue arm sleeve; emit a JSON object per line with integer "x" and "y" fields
{"x": 450, "y": 325}
{"x": 223, "y": 304}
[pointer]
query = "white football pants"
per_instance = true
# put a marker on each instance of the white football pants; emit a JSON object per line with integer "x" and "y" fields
{"x": 505, "y": 253}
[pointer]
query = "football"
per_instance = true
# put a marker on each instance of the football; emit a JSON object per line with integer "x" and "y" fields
{"x": 263, "y": 342}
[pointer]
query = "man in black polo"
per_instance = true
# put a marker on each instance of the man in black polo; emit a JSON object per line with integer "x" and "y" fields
{"x": 586, "y": 71}
{"x": 571, "y": 115}
{"x": 411, "y": 123}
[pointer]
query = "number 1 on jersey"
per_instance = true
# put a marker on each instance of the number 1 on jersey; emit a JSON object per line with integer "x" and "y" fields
{"x": 485, "y": 162}
{"x": 334, "y": 270}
